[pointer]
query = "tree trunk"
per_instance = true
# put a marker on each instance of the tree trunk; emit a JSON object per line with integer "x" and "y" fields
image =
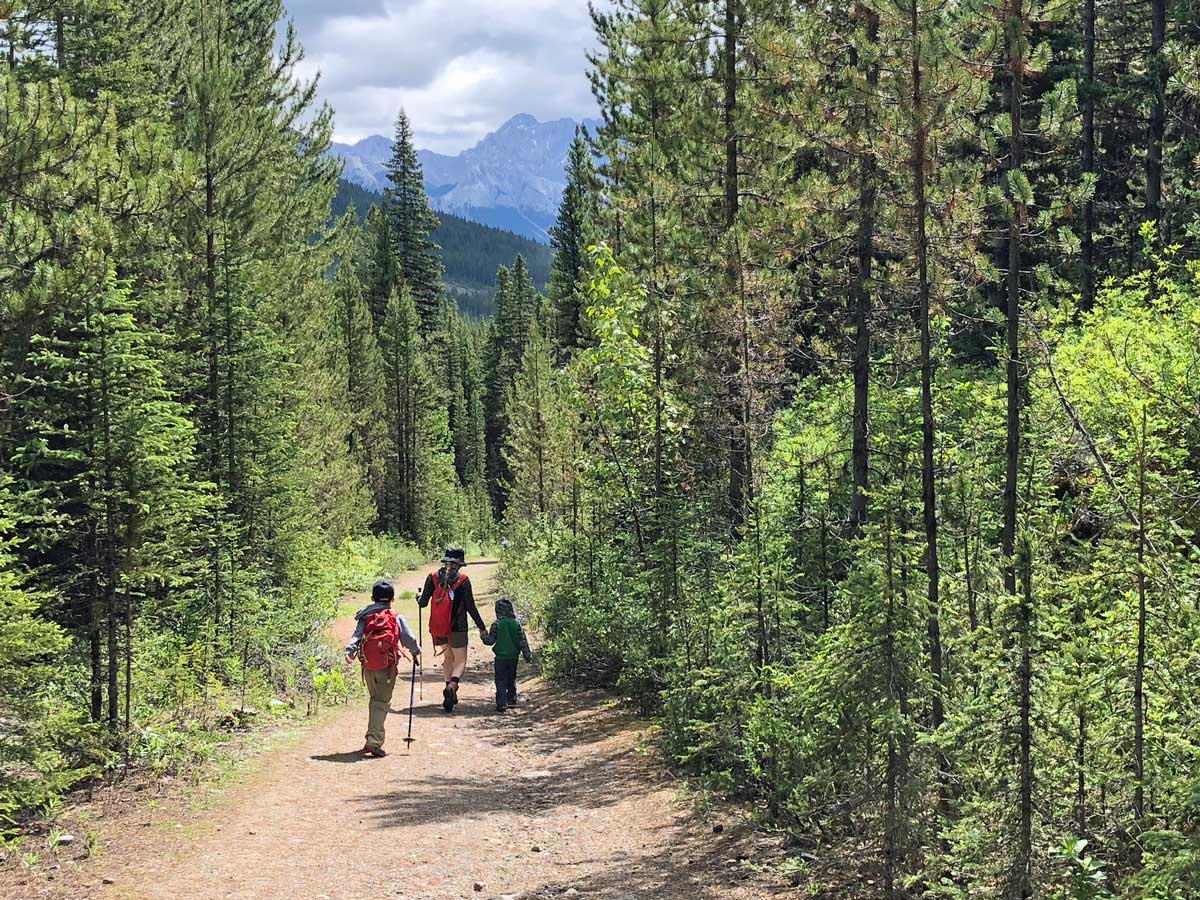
{"x": 860, "y": 453}
{"x": 114, "y": 657}
{"x": 230, "y": 408}
{"x": 214, "y": 397}
{"x": 739, "y": 454}
{"x": 108, "y": 554}
{"x": 968, "y": 578}
{"x": 1015, "y": 60}
{"x": 60, "y": 38}
{"x": 1158, "y": 112}
{"x": 1024, "y": 868}
{"x": 928, "y": 482}
{"x": 891, "y": 801}
{"x": 1088, "y": 286}
{"x": 1139, "y": 673}
{"x": 97, "y": 681}
{"x": 210, "y": 286}
{"x": 128, "y": 668}
{"x": 95, "y": 588}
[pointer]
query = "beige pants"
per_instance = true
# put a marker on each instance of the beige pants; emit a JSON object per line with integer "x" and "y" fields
{"x": 380, "y": 685}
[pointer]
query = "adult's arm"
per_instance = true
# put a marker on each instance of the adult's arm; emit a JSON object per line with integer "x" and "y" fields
{"x": 467, "y": 595}
{"x": 426, "y": 594}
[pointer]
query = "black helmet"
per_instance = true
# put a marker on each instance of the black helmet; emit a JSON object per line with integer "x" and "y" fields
{"x": 383, "y": 592}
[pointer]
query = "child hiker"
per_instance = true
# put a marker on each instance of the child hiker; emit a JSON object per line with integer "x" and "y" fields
{"x": 507, "y": 639}
{"x": 376, "y": 642}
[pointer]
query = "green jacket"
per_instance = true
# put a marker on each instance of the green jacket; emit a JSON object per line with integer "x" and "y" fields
{"x": 506, "y": 637}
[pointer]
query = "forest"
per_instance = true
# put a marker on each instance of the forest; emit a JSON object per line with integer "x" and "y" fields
{"x": 854, "y": 438}
{"x": 219, "y": 407}
{"x": 470, "y": 252}
{"x": 862, "y": 452}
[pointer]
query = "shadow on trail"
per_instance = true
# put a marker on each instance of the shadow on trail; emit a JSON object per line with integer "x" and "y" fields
{"x": 547, "y": 720}
{"x": 590, "y": 783}
{"x": 698, "y": 865}
{"x": 633, "y": 876}
{"x": 350, "y": 756}
{"x": 553, "y": 718}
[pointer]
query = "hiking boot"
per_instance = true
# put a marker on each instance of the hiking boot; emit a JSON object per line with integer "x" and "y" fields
{"x": 449, "y": 698}
{"x": 376, "y": 752}
{"x": 500, "y": 708}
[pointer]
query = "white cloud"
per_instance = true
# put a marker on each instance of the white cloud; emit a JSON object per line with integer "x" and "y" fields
{"x": 460, "y": 68}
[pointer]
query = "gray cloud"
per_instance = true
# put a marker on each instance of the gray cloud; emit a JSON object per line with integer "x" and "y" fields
{"x": 459, "y": 67}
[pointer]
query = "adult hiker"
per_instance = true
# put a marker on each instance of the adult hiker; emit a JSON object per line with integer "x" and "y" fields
{"x": 450, "y": 599}
{"x": 377, "y": 641}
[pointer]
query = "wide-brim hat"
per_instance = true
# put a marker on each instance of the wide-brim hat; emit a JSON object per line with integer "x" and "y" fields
{"x": 455, "y": 555}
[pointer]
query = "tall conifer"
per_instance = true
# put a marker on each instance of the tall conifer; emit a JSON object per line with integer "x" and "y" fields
{"x": 412, "y": 222}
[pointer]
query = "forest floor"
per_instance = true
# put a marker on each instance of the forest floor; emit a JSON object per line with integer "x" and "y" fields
{"x": 559, "y": 797}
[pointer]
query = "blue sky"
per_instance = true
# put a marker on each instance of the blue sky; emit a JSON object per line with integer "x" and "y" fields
{"x": 460, "y": 67}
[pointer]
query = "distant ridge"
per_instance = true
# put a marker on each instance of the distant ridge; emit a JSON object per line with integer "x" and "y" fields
{"x": 471, "y": 252}
{"x": 512, "y": 179}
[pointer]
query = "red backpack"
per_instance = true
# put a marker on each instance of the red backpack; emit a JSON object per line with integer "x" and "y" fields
{"x": 441, "y": 606}
{"x": 381, "y": 641}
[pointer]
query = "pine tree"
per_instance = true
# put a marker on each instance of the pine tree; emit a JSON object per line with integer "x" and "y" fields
{"x": 570, "y": 236}
{"x": 406, "y": 386}
{"x": 540, "y": 444}
{"x": 412, "y": 222}
{"x": 517, "y": 307}
{"x": 466, "y": 400}
{"x": 358, "y": 359}
{"x": 378, "y": 266}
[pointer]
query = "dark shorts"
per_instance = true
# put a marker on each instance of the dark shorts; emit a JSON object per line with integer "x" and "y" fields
{"x": 457, "y": 640}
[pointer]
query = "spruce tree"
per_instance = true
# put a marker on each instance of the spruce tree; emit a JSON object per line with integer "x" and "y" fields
{"x": 412, "y": 222}
{"x": 540, "y": 444}
{"x": 570, "y": 236}
{"x": 517, "y": 307}
{"x": 378, "y": 265}
{"x": 358, "y": 359}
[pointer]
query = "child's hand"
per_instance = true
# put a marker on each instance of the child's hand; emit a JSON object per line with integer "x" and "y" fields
{"x": 349, "y": 658}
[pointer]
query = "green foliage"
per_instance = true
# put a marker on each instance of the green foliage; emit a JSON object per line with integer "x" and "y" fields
{"x": 1086, "y": 878}
{"x": 192, "y": 419}
{"x": 817, "y": 218}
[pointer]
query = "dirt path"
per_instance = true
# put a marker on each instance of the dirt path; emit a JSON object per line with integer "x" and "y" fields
{"x": 556, "y": 798}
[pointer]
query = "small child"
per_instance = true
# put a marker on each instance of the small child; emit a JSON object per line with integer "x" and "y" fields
{"x": 379, "y": 634}
{"x": 507, "y": 639}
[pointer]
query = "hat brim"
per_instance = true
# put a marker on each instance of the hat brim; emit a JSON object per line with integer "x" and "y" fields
{"x": 451, "y": 559}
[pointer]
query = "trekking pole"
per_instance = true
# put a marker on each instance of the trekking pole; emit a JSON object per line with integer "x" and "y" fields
{"x": 412, "y": 686}
{"x": 421, "y": 643}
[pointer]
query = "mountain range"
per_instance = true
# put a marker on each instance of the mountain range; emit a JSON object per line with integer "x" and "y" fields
{"x": 512, "y": 179}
